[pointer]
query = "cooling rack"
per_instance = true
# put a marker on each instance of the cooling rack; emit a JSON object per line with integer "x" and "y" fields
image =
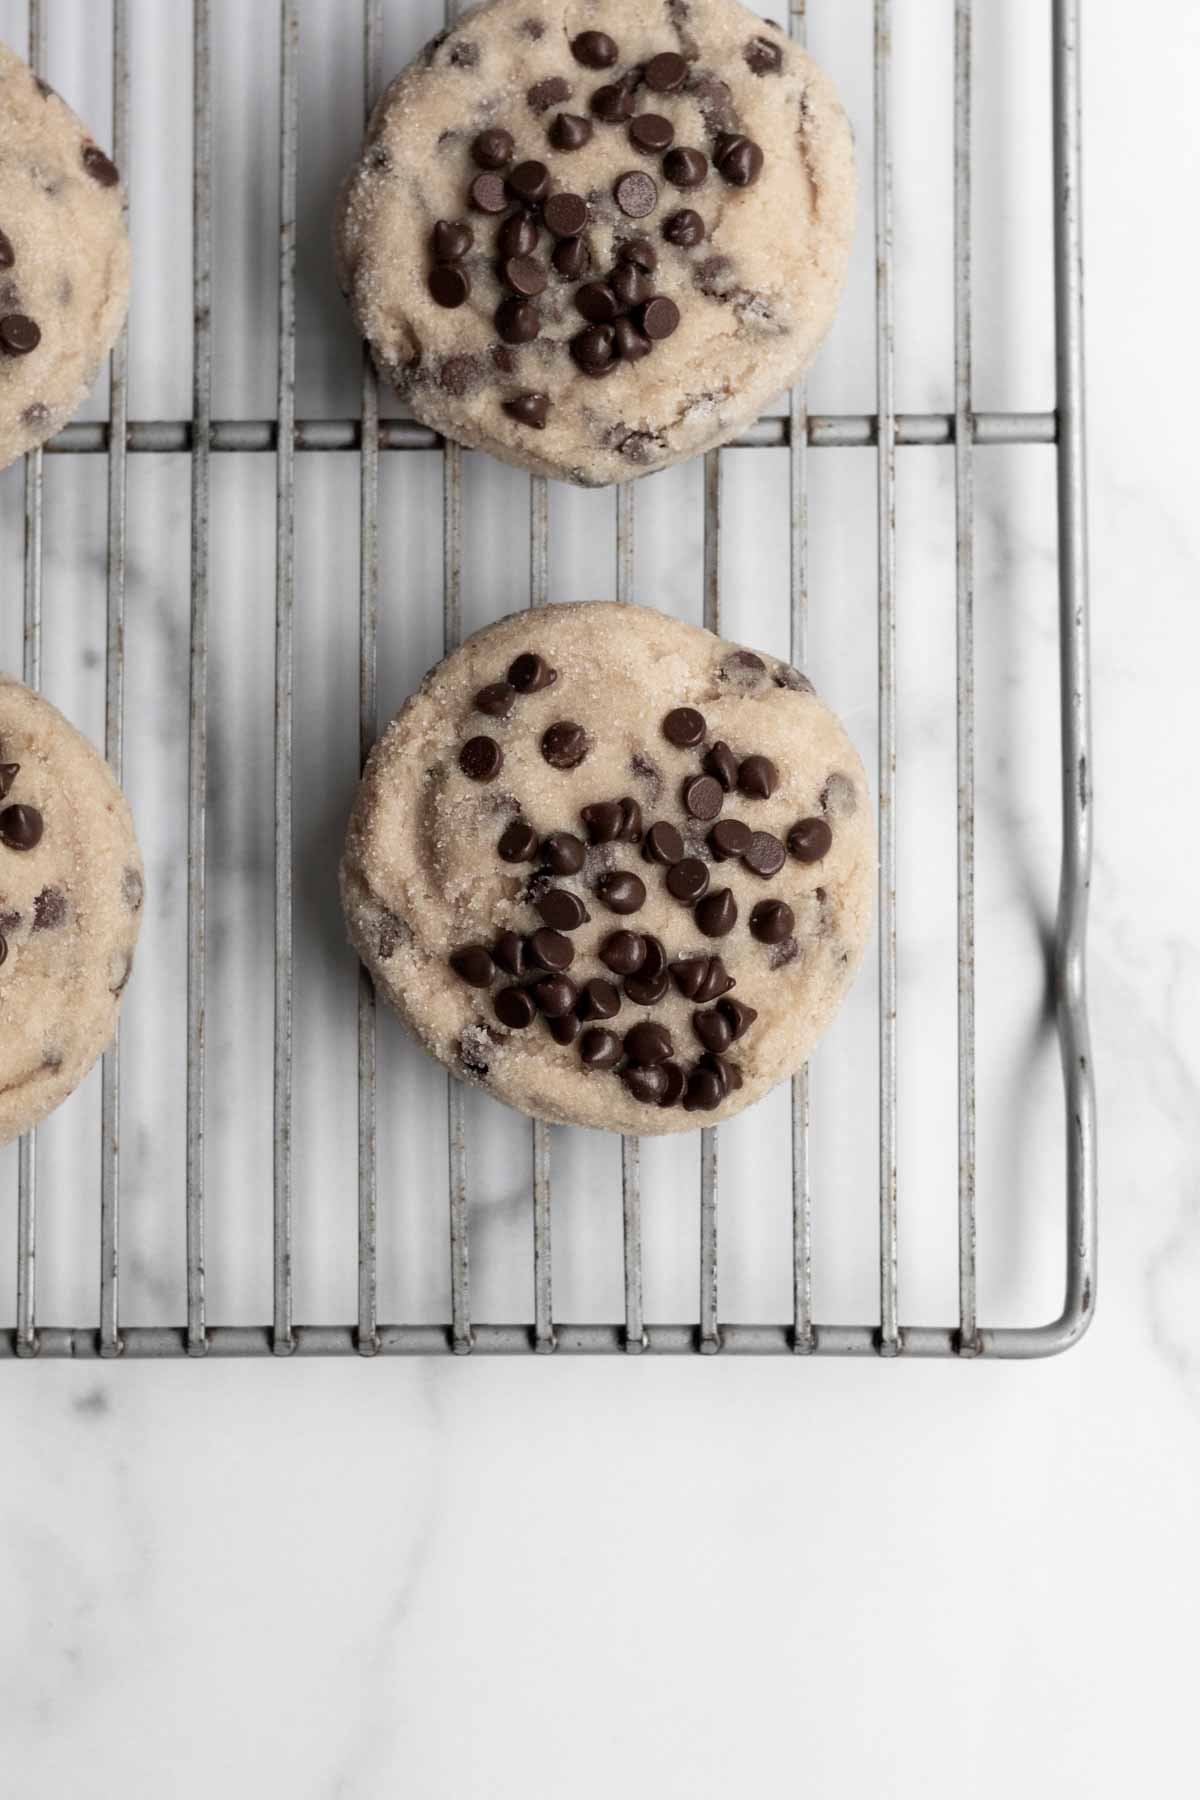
{"x": 368, "y": 438}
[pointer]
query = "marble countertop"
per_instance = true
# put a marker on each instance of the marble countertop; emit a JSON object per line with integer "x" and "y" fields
{"x": 494, "y": 1578}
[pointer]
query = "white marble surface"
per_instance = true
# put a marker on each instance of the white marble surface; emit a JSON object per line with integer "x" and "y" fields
{"x": 493, "y": 1579}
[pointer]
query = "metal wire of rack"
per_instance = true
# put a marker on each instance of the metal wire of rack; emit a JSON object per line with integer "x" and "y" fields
{"x": 201, "y": 437}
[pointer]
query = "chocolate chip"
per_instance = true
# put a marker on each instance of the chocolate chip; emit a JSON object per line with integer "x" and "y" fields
{"x": 728, "y": 838}
{"x": 562, "y": 853}
{"x": 555, "y": 996}
{"x": 809, "y": 840}
{"x": 598, "y": 999}
{"x": 713, "y": 1029}
{"x": 704, "y": 1091}
{"x": 529, "y": 673}
{"x": 623, "y": 952}
{"x": 684, "y": 727}
{"x": 529, "y": 181}
{"x": 646, "y": 1083}
{"x": 652, "y": 133}
{"x": 518, "y": 236}
{"x": 449, "y": 285}
{"x": 703, "y": 797}
{"x": 566, "y": 1029}
{"x": 613, "y": 105}
{"x": 564, "y": 744}
{"x": 629, "y": 343}
{"x": 8, "y": 774}
{"x": 666, "y": 72}
{"x": 648, "y": 1042}
{"x": 518, "y": 842}
{"x": 451, "y": 240}
{"x": 646, "y": 990}
{"x": 508, "y": 952}
{"x": 550, "y": 92}
{"x": 517, "y": 321}
{"x": 631, "y": 820}
{"x": 689, "y": 974}
{"x": 792, "y": 680}
{"x": 474, "y": 965}
{"x": 514, "y": 1008}
{"x": 562, "y": 909}
{"x": 7, "y": 253}
{"x": 99, "y": 166}
{"x": 676, "y": 1084}
{"x": 565, "y": 214}
{"x": 660, "y": 318}
{"x": 603, "y": 820}
{"x": 714, "y": 99}
{"x": 717, "y": 981}
{"x": 49, "y": 909}
{"x": 716, "y": 915}
{"x": 594, "y": 49}
{"x": 684, "y": 228}
{"x": 572, "y": 259}
{"x": 727, "y": 1073}
{"x": 663, "y": 844}
{"x": 570, "y": 131}
{"x": 764, "y": 854}
{"x": 839, "y": 796}
{"x": 18, "y": 334}
{"x": 481, "y": 759}
{"x": 596, "y": 302}
{"x": 529, "y": 409}
{"x": 688, "y": 880}
{"x": 21, "y": 827}
{"x": 739, "y": 159}
{"x": 685, "y": 167}
{"x": 763, "y": 57}
{"x": 594, "y": 349}
{"x": 460, "y": 374}
{"x": 758, "y": 778}
{"x": 464, "y": 55}
{"x": 599, "y": 1049}
{"x": 525, "y": 275}
{"x": 621, "y": 891}
{"x": 631, "y": 285}
{"x": 722, "y": 763}
{"x": 551, "y": 951}
{"x": 741, "y": 1017}
{"x": 493, "y": 149}
{"x": 488, "y": 194}
{"x": 743, "y": 670}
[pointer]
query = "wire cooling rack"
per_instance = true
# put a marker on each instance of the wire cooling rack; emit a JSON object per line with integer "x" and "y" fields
{"x": 202, "y": 437}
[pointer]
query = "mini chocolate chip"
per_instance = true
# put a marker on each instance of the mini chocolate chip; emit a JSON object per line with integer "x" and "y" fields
{"x": 518, "y": 843}
{"x": 648, "y": 1042}
{"x": 49, "y": 909}
{"x": 631, "y": 285}
{"x": 603, "y": 820}
{"x": 647, "y": 1083}
{"x": 529, "y": 409}
{"x": 572, "y": 259}
{"x": 529, "y": 673}
{"x": 729, "y": 837}
{"x": 741, "y": 1017}
{"x": 474, "y": 965}
{"x": 551, "y": 951}
{"x": 525, "y": 275}
{"x": 713, "y": 1029}
{"x": 570, "y": 131}
{"x": 621, "y": 891}
{"x": 529, "y": 181}
{"x": 18, "y": 334}
{"x": 493, "y": 149}
{"x": 564, "y": 744}
{"x": 21, "y": 827}
{"x": 739, "y": 159}
{"x": 555, "y": 996}
{"x": 508, "y": 952}
{"x": 599, "y": 1049}
{"x": 666, "y": 72}
{"x": 451, "y": 240}
{"x": 563, "y": 854}
{"x": 763, "y": 57}
{"x": 7, "y": 254}
{"x": 623, "y": 952}
{"x": 722, "y": 763}
{"x": 703, "y": 797}
{"x": 685, "y": 167}
{"x": 684, "y": 727}
{"x": 598, "y": 999}
{"x": 100, "y": 167}
{"x": 518, "y": 236}
{"x": 481, "y": 759}
{"x": 764, "y": 854}
{"x": 684, "y": 228}
{"x": 566, "y": 1029}
{"x": 660, "y": 318}
{"x": 758, "y": 778}
{"x": 628, "y": 341}
{"x": 676, "y": 1084}
{"x": 596, "y": 302}
{"x": 716, "y": 915}
{"x": 594, "y": 349}
{"x": 704, "y": 1091}
{"x": 550, "y": 92}
{"x": 514, "y": 1008}
{"x": 562, "y": 909}
{"x": 8, "y": 774}
{"x": 594, "y": 49}
{"x": 449, "y": 285}
{"x": 652, "y": 133}
{"x": 613, "y": 105}
{"x": 517, "y": 321}
{"x": 488, "y": 193}
{"x": 565, "y": 214}
{"x": 688, "y": 880}
{"x": 663, "y": 844}
{"x": 810, "y": 840}
{"x": 646, "y": 990}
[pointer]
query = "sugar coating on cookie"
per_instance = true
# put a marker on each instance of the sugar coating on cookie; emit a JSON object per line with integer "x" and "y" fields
{"x": 596, "y": 236}
{"x": 612, "y": 868}
{"x": 71, "y": 890}
{"x": 64, "y": 259}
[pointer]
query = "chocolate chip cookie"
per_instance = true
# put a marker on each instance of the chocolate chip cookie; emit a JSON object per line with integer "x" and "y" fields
{"x": 597, "y": 236}
{"x": 70, "y": 906}
{"x": 64, "y": 259}
{"x": 615, "y": 870}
